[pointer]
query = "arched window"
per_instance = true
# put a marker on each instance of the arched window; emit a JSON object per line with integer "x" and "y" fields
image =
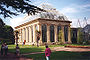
{"x": 58, "y": 32}
{"x": 66, "y": 33}
{"x": 52, "y": 33}
{"x": 44, "y": 33}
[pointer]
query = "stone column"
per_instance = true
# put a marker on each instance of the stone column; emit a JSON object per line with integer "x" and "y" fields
{"x": 21, "y": 35}
{"x": 18, "y": 36}
{"x": 63, "y": 38}
{"x": 55, "y": 32}
{"x": 30, "y": 34}
{"x": 69, "y": 35}
{"x": 48, "y": 33}
{"x": 40, "y": 29}
{"x": 34, "y": 34}
{"x": 26, "y": 34}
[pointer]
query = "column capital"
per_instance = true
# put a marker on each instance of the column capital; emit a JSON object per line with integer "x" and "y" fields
{"x": 39, "y": 24}
{"x": 48, "y": 24}
{"x": 62, "y": 25}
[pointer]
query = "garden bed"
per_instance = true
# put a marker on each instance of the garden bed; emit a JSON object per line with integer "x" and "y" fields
{"x": 77, "y": 46}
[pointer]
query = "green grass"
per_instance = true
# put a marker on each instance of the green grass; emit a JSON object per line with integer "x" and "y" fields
{"x": 29, "y": 48}
{"x": 62, "y": 55}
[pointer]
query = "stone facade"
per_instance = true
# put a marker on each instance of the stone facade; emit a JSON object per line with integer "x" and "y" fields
{"x": 27, "y": 31}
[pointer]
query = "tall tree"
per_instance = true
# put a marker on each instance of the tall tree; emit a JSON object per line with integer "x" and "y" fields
{"x": 22, "y": 6}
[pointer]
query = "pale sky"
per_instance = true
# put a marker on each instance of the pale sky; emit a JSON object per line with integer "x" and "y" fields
{"x": 73, "y": 9}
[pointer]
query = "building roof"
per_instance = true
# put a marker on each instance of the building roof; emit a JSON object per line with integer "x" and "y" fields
{"x": 51, "y": 13}
{"x": 87, "y": 28}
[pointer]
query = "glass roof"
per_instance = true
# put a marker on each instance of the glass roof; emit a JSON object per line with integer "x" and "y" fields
{"x": 51, "y": 13}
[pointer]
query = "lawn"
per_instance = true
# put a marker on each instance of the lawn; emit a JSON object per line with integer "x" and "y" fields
{"x": 62, "y": 55}
{"x": 29, "y": 48}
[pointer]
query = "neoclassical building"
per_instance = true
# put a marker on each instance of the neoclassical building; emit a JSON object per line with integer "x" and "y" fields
{"x": 49, "y": 24}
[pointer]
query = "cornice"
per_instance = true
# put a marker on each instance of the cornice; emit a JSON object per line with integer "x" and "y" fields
{"x": 41, "y": 19}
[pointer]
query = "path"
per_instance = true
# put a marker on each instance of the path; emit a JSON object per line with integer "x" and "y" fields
{"x": 71, "y": 49}
{"x": 12, "y": 56}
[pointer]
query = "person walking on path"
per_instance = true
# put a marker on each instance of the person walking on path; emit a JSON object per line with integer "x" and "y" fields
{"x": 6, "y": 49}
{"x": 17, "y": 50}
{"x": 2, "y": 49}
{"x": 47, "y": 53}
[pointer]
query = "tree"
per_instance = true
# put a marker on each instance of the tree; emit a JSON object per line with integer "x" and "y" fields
{"x": 9, "y": 33}
{"x": 1, "y": 23}
{"x": 60, "y": 37}
{"x": 80, "y": 36}
{"x": 6, "y": 32}
{"x": 16, "y": 32}
{"x": 22, "y": 6}
{"x": 38, "y": 37}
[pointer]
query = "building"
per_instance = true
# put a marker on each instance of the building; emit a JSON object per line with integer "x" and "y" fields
{"x": 86, "y": 31}
{"x": 49, "y": 24}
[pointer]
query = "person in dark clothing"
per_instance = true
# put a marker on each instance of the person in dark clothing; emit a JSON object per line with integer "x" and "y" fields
{"x": 6, "y": 49}
{"x": 17, "y": 50}
{"x": 2, "y": 49}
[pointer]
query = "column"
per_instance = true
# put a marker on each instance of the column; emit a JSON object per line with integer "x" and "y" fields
{"x": 21, "y": 35}
{"x": 69, "y": 35}
{"x": 40, "y": 29}
{"x": 30, "y": 34}
{"x": 26, "y": 34}
{"x": 48, "y": 33}
{"x": 34, "y": 34}
{"x": 63, "y": 38}
{"x": 18, "y": 36}
{"x": 55, "y": 32}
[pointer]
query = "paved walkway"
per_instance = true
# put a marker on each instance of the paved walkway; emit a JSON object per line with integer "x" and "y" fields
{"x": 12, "y": 56}
{"x": 71, "y": 49}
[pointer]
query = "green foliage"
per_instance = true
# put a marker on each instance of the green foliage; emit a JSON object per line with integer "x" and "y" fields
{"x": 6, "y": 33}
{"x": 22, "y": 6}
{"x": 80, "y": 37}
{"x": 60, "y": 37}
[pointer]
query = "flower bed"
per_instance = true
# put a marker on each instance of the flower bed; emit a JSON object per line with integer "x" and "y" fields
{"x": 78, "y": 46}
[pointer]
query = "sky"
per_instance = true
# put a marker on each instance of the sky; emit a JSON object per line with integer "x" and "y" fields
{"x": 74, "y": 10}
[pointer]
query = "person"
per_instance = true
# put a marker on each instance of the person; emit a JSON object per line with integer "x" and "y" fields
{"x": 24, "y": 42}
{"x": 2, "y": 49}
{"x": 6, "y": 49}
{"x": 17, "y": 50}
{"x": 47, "y": 52}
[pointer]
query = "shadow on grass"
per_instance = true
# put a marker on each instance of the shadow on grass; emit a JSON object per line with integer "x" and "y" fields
{"x": 62, "y": 55}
